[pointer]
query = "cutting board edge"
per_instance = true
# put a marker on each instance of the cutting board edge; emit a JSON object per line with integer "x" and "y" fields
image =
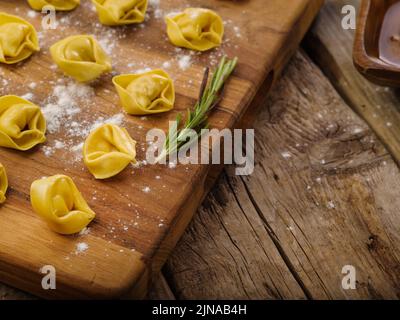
{"x": 140, "y": 284}
{"x": 246, "y": 121}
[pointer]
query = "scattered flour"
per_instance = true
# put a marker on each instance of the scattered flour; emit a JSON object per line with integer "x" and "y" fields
{"x": 77, "y": 148}
{"x": 32, "y": 14}
{"x": 27, "y": 96}
{"x": 32, "y": 85}
{"x": 158, "y": 13}
{"x": 184, "y": 62}
{"x": 59, "y": 144}
{"x": 166, "y": 65}
{"x": 107, "y": 44}
{"x": 330, "y": 205}
{"x": 146, "y": 189}
{"x": 47, "y": 150}
{"x": 154, "y": 3}
{"x": 286, "y": 155}
{"x": 237, "y": 31}
{"x": 144, "y": 70}
{"x": 116, "y": 119}
{"x": 85, "y": 231}
{"x": 62, "y": 111}
{"x": 63, "y": 104}
{"x": 81, "y": 247}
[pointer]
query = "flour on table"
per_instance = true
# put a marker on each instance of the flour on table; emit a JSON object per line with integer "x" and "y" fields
{"x": 63, "y": 104}
{"x": 184, "y": 62}
{"x": 154, "y": 3}
{"x": 63, "y": 109}
{"x": 166, "y": 65}
{"x": 85, "y": 231}
{"x": 107, "y": 44}
{"x": 27, "y": 96}
{"x": 116, "y": 119}
{"x": 81, "y": 247}
{"x": 32, "y": 14}
{"x": 32, "y": 85}
{"x": 286, "y": 154}
{"x": 330, "y": 205}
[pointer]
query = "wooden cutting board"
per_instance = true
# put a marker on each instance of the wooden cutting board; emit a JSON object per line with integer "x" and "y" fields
{"x": 142, "y": 212}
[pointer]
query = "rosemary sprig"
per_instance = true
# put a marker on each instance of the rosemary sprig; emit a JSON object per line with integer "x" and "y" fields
{"x": 210, "y": 95}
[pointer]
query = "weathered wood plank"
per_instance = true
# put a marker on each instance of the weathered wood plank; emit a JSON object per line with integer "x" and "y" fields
{"x": 229, "y": 253}
{"x": 331, "y": 47}
{"x": 160, "y": 290}
{"x": 324, "y": 192}
{"x": 8, "y": 293}
{"x": 139, "y": 217}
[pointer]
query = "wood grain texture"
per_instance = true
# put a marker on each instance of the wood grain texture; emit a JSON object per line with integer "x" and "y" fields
{"x": 134, "y": 231}
{"x": 378, "y": 106}
{"x": 323, "y": 195}
{"x": 8, "y": 293}
{"x": 160, "y": 290}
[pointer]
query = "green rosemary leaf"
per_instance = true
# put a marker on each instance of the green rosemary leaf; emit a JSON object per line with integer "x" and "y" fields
{"x": 211, "y": 93}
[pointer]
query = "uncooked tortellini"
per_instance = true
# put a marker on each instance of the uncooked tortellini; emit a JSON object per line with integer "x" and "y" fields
{"x": 146, "y": 93}
{"x": 18, "y": 39}
{"x": 81, "y": 57}
{"x": 119, "y": 12}
{"x": 108, "y": 150}
{"x": 3, "y": 183}
{"x": 60, "y": 5}
{"x": 22, "y": 125}
{"x": 196, "y": 29}
{"x": 58, "y": 201}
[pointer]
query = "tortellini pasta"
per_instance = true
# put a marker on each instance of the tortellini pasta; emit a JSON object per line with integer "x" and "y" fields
{"x": 22, "y": 124}
{"x": 3, "y": 183}
{"x": 81, "y": 57}
{"x": 60, "y": 5}
{"x": 108, "y": 150}
{"x": 195, "y": 28}
{"x": 146, "y": 93}
{"x": 18, "y": 39}
{"x": 120, "y": 12}
{"x": 58, "y": 201}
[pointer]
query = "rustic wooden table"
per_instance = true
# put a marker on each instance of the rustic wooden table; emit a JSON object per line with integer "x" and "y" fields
{"x": 324, "y": 194}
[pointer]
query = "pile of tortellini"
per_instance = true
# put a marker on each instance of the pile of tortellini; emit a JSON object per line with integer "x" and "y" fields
{"x": 109, "y": 148}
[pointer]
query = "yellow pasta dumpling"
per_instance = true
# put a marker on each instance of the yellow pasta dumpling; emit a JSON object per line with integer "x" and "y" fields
{"x": 81, "y": 57}
{"x": 58, "y": 201}
{"x": 108, "y": 150}
{"x": 120, "y": 12}
{"x": 3, "y": 183}
{"x": 195, "y": 28}
{"x": 146, "y": 93}
{"x": 22, "y": 124}
{"x": 59, "y": 5}
{"x": 18, "y": 39}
